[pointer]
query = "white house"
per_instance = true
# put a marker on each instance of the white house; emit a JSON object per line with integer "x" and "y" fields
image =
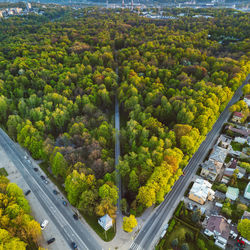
{"x": 232, "y": 193}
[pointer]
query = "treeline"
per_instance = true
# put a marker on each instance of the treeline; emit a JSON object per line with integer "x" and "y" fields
{"x": 58, "y": 84}
{"x": 18, "y": 230}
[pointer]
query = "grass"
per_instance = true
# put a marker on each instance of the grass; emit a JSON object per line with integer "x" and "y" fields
{"x": 236, "y": 146}
{"x": 3, "y": 172}
{"x": 92, "y": 221}
{"x": 179, "y": 233}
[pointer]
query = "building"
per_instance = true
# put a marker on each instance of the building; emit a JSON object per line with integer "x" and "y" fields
{"x": 219, "y": 228}
{"x": 210, "y": 169}
{"x": 240, "y": 131}
{"x": 247, "y": 100}
{"x": 218, "y": 154}
{"x": 224, "y": 141}
{"x": 105, "y": 222}
{"x": 201, "y": 191}
{"x": 247, "y": 191}
{"x": 232, "y": 193}
{"x": 237, "y": 116}
{"x": 246, "y": 215}
{"x": 240, "y": 140}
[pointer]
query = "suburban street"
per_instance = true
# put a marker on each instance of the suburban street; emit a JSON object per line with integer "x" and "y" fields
{"x": 150, "y": 233}
{"x": 72, "y": 230}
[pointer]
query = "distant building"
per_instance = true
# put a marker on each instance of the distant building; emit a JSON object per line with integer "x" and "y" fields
{"x": 247, "y": 191}
{"x": 237, "y": 116}
{"x": 219, "y": 228}
{"x": 232, "y": 193}
{"x": 201, "y": 191}
{"x": 210, "y": 169}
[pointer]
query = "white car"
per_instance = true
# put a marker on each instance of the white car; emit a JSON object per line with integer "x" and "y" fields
{"x": 44, "y": 224}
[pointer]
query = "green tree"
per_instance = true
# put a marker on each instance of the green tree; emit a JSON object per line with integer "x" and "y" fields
{"x": 244, "y": 228}
{"x": 59, "y": 164}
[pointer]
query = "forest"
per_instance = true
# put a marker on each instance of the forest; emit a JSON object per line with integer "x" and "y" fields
{"x": 18, "y": 230}
{"x": 58, "y": 83}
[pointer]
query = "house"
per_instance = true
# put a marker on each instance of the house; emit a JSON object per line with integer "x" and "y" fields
{"x": 105, "y": 222}
{"x": 201, "y": 191}
{"x": 246, "y": 215}
{"x": 224, "y": 141}
{"x": 232, "y": 193}
{"x": 240, "y": 140}
{"x": 218, "y": 155}
{"x": 242, "y": 172}
{"x": 237, "y": 116}
{"x": 210, "y": 169}
{"x": 247, "y": 100}
{"x": 247, "y": 191}
{"x": 241, "y": 131}
{"x": 218, "y": 227}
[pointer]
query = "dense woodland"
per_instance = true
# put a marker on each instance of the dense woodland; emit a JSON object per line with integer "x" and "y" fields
{"x": 58, "y": 84}
{"x": 18, "y": 230}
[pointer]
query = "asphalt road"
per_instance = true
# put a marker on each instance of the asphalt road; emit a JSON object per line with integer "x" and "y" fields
{"x": 150, "y": 233}
{"x": 62, "y": 217}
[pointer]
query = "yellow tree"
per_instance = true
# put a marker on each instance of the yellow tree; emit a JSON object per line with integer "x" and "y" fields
{"x": 129, "y": 223}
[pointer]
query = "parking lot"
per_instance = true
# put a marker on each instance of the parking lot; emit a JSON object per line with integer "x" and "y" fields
{"x": 38, "y": 212}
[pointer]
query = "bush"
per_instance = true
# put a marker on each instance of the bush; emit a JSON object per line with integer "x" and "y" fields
{"x": 185, "y": 246}
{"x": 171, "y": 225}
{"x": 174, "y": 243}
{"x": 177, "y": 212}
{"x": 201, "y": 244}
{"x": 189, "y": 236}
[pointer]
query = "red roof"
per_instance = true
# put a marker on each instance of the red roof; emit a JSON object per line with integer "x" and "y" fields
{"x": 239, "y": 114}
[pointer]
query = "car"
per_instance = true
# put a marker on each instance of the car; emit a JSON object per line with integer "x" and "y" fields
{"x": 27, "y": 192}
{"x": 64, "y": 203}
{"x": 55, "y": 192}
{"x": 44, "y": 224}
{"x": 35, "y": 169}
{"x": 25, "y": 157}
{"x": 46, "y": 182}
{"x": 74, "y": 246}
{"x": 29, "y": 161}
{"x": 42, "y": 177}
{"x": 75, "y": 216}
{"x": 51, "y": 240}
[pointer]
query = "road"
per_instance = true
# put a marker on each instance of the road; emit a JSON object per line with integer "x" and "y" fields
{"x": 151, "y": 231}
{"x": 61, "y": 216}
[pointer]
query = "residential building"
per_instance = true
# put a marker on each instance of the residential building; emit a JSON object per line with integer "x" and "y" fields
{"x": 241, "y": 131}
{"x": 210, "y": 169}
{"x": 232, "y": 193}
{"x": 218, "y": 227}
{"x": 229, "y": 171}
{"x": 237, "y": 116}
{"x": 218, "y": 154}
{"x": 247, "y": 191}
{"x": 201, "y": 191}
{"x": 246, "y": 215}
{"x": 105, "y": 222}
{"x": 224, "y": 141}
{"x": 247, "y": 100}
{"x": 240, "y": 140}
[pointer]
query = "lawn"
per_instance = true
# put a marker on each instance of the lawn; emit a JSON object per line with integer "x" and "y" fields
{"x": 179, "y": 233}
{"x": 236, "y": 146}
{"x": 3, "y": 172}
{"x": 92, "y": 221}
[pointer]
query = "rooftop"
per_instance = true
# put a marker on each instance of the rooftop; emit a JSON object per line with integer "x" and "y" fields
{"x": 211, "y": 166}
{"x": 218, "y": 154}
{"x": 220, "y": 225}
{"x": 201, "y": 188}
{"x": 232, "y": 193}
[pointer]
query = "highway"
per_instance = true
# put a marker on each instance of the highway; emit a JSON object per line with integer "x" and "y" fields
{"x": 150, "y": 232}
{"x": 72, "y": 230}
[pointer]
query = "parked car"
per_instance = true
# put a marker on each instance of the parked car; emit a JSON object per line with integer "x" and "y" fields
{"x": 42, "y": 177}
{"x": 36, "y": 169}
{"x": 75, "y": 216}
{"x": 55, "y": 192}
{"x": 51, "y": 241}
{"x": 65, "y": 203}
{"x": 46, "y": 182}
{"x": 27, "y": 192}
{"x": 74, "y": 246}
{"x": 44, "y": 224}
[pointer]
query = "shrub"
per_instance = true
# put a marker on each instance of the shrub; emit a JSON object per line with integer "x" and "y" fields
{"x": 185, "y": 246}
{"x": 171, "y": 225}
{"x": 201, "y": 244}
{"x": 174, "y": 243}
{"x": 189, "y": 236}
{"x": 177, "y": 212}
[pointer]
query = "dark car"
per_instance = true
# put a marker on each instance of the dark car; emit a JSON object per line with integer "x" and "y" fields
{"x": 65, "y": 203}
{"x": 74, "y": 246}
{"x": 55, "y": 192}
{"x": 51, "y": 240}
{"x": 36, "y": 169}
{"x": 27, "y": 192}
{"x": 42, "y": 177}
{"x": 75, "y": 216}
